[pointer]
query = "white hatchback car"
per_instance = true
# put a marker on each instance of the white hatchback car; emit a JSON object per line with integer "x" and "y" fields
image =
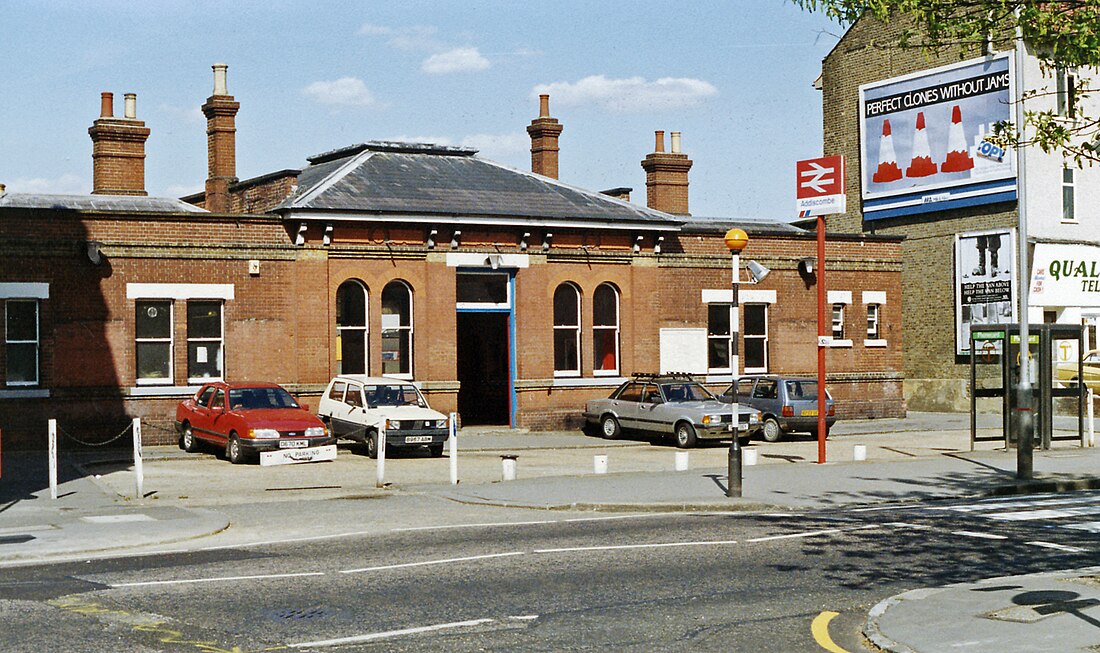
{"x": 356, "y": 407}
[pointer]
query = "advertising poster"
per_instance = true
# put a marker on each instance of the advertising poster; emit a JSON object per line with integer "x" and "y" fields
{"x": 1065, "y": 275}
{"x": 923, "y": 139}
{"x": 985, "y": 286}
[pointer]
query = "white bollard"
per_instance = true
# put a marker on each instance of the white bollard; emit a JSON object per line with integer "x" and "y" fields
{"x": 859, "y": 452}
{"x": 750, "y": 456}
{"x": 53, "y": 458}
{"x": 508, "y": 467}
{"x": 380, "y": 445}
{"x": 1092, "y": 428}
{"x": 599, "y": 463}
{"x": 452, "y": 446}
{"x": 139, "y": 471}
{"x": 682, "y": 461}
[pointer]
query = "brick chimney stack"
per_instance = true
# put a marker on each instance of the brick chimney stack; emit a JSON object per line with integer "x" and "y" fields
{"x": 118, "y": 149}
{"x": 666, "y": 177}
{"x": 544, "y": 132}
{"x": 221, "y": 142}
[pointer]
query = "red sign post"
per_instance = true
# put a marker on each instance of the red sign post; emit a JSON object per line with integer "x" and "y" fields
{"x": 820, "y": 191}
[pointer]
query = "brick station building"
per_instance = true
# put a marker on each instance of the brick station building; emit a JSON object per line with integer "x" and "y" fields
{"x": 508, "y": 295}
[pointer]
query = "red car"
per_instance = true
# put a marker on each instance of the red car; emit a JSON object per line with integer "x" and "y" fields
{"x": 246, "y": 418}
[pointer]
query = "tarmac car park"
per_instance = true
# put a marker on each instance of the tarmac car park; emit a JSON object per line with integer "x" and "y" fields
{"x": 674, "y": 405}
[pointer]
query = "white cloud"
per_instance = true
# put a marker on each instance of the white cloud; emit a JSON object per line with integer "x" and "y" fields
{"x": 630, "y": 94}
{"x": 458, "y": 60}
{"x": 498, "y": 146}
{"x": 183, "y": 190}
{"x": 66, "y": 184}
{"x": 414, "y": 37}
{"x": 346, "y": 91}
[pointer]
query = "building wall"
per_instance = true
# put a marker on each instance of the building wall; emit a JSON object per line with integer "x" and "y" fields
{"x": 279, "y": 324}
{"x": 935, "y": 378}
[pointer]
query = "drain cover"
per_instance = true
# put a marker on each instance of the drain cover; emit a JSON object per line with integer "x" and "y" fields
{"x": 311, "y": 613}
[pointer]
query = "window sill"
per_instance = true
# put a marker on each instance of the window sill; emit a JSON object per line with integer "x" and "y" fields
{"x": 164, "y": 390}
{"x": 755, "y": 370}
{"x": 27, "y": 393}
{"x": 578, "y": 382}
{"x": 840, "y": 344}
{"x": 566, "y": 375}
{"x": 874, "y": 343}
{"x": 605, "y": 372}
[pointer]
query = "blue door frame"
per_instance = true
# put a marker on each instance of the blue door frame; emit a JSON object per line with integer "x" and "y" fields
{"x": 510, "y": 311}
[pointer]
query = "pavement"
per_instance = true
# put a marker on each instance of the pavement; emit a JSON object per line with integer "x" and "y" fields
{"x": 923, "y": 456}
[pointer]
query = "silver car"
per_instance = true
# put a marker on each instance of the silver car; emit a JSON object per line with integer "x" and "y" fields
{"x": 669, "y": 405}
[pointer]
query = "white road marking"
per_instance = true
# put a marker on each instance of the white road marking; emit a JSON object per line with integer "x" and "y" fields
{"x": 620, "y": 547}
{"x": 426, "y": 563}
{"x": 828, "y": 531}
{"x": 1089, "y": 526}
{"x": 392, "y": 633}
{"x": 984, "y": 536}
{"x": 1057, "y": 547}
{"x": 524, "y": 617}
{"x": 1057, "y": 513}
{"x": 615, "y": 517}
{"x": 1015, "y": 503}
{"x": 481, "y": 525}
{"x": 219, "y": 579}
{"x": 289, "y": 540}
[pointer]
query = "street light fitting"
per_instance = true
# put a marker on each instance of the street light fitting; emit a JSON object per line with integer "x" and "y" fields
{"x": 757, "y": 272}
{"x": 736, "y": 239}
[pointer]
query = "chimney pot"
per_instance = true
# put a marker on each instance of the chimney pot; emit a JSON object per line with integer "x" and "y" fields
{"x": 106, "y": 105}
{"x": 220, "y": 87}
{"x": 130, "y": 106}
{"x": 659, "y": 146}
{"x": 544, "y": 106}
{"x": 675, "y": 142}
{"x": 544, "y": 132}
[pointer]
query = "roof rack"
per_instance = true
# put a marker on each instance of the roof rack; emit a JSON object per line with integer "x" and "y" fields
{"x": 665, "y": 375}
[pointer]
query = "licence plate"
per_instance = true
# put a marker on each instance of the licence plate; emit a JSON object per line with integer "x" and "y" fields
{"x": 809, "y": 413}
{"x": 418, "y": 439}
{"x": 293, "y": 444}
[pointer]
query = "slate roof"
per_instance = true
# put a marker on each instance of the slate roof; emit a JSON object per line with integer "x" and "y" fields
{"x": 761, "y": 226}
{"x": 409, "y": 179}
{"x": 109, "y": 203}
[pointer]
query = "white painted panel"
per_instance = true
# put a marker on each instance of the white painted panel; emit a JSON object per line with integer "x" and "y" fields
{"x": 684, "y": 350}
{"x": 746, "y": 295}
{"x": 179, "y": 291}
{"x": 839, "y": 296}
{"x": 480, "y": 260}
{"x": 874, "y": 297}
{"x": 20, "y": 290}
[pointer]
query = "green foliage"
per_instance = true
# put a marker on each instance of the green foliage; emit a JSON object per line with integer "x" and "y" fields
{"x": 1063, "y": 35}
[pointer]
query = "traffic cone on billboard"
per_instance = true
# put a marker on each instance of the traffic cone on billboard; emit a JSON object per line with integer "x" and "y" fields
{"x": 921, "y": 165}
{"x": 958, "y": 159}
{"x": 888, "y": 169}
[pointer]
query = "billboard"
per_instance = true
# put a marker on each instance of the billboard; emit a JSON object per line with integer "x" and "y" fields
{"x": 923, "y": 139}
{"x": 985, "y": 282}
{"x": 1065, "y": 275}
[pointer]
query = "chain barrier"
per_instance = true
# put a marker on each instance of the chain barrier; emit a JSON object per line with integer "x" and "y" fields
{"x": 150, "y": 426}
{"x": 72, "y": 437}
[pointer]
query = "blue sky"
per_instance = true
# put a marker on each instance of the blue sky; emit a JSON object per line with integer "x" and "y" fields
{"x": 734, "y": 77}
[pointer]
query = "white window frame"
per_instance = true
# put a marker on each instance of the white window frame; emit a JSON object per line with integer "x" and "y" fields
{"x": 405, "y": 331}
{"x": 171, "y": 340}
{"x": 36, "y": 342}
{"x": 719, "y": 337}
{"x": 1069, "y": 185}
{"x": 506, "y": 305}
{"x": 364, "y": 331}
{"x": 843, "y": 299}
{"x": 220, "y": 340}
{"x": 873, "y": 312}
{"x": 575, "y": 329}
{"x": 876, "y": 298}
{"x": 613, "y": 329}
{"x": 745, "y": 296}
{"x": 746, "y": 337}
{"x": 1066, "y": 102}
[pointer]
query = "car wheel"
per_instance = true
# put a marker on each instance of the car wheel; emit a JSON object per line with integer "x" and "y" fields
{"x": 187, "y": 439}
{"x": 609, "y": 426}
{"x": 685, "y": 435}
{"x": 233, "y": 449}
{"x": 372, "y": 445}
{"x": 771, "y": 431}
{"x": 436, "y": 450}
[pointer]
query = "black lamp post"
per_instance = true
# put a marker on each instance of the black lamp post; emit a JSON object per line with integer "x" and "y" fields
{"x": 736, "y": 239}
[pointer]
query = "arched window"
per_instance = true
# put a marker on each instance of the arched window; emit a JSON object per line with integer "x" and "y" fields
{"x": 605, "y": 330}
{"x": 351, "y": 328}
{"x": 567, "y": 330}
{"x": 397, "y": 329}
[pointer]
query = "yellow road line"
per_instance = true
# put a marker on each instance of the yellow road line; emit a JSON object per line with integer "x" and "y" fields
{"x": 820, "y": 630}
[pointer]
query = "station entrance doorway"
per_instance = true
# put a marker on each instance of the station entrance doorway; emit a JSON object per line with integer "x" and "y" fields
{"x": 484, "y": 347}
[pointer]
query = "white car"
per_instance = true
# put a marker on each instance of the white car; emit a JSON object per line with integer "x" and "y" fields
{"x": 357, "y": 407}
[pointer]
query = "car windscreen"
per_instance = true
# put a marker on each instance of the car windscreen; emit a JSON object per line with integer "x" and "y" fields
{"x": 393, "y": 395}
{"x": 675, "y": 392}
{"x": 260, "y": 398}
{"x": 802, "y": 390}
